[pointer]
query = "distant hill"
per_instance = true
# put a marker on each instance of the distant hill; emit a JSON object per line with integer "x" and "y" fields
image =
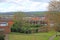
{"x": 7, "y": 13}
{"x": 42, "y": 13}
{"x": 35, "y": 13}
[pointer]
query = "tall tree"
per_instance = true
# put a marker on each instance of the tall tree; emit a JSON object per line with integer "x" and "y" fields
{"x": 20, "y": 22}
{"x": 54, "y": 12}
{"x": 19, "y": 18}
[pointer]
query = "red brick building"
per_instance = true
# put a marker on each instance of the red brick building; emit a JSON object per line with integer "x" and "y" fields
{"x": 5, "y": 24}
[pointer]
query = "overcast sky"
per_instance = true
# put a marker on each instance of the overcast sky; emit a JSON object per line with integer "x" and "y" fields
{"x": 23, "y": 5}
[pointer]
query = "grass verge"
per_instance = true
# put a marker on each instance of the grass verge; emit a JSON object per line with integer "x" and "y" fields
{"x": 34, "y": 36}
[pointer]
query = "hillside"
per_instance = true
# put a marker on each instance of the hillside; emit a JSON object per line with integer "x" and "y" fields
{"x": 27, "y": 13}
{"x": 35, "y": 13}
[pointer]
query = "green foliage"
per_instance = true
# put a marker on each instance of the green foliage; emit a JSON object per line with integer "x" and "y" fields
{"x": 23, "y": 26}
{"x": 35, "y": 25}
{"x": 2, "y": 36}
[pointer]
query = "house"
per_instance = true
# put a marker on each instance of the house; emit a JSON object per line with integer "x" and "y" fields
{"x": 38, "y": 20}
{"x": 43, "y": 20}
{"x": 5, "y": 24}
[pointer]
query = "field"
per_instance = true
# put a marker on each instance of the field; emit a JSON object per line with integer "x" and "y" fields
{"x": 34, "y": 36}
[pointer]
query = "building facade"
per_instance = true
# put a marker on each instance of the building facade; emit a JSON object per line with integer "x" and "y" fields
{"x": 5, "y": 24}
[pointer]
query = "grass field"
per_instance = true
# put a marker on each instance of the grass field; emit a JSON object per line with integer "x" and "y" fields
{"x": 35, "y": 36}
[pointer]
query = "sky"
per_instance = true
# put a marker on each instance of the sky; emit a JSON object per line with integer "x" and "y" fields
{"x": 23, "y": 5}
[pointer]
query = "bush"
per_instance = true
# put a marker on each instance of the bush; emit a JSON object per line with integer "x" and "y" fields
{"x": 35, "y": 25}
{"x": 2, "y": 37}
{"x": 28, "y": 31}
{"x": 26, "y": 28}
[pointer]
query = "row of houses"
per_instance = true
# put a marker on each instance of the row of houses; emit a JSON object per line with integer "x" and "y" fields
{"x": 6, "y": 21}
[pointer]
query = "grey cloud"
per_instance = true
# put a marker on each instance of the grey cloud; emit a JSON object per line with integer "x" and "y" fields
{"x": 41, "y": 0}
{"x": 2, "y": 0}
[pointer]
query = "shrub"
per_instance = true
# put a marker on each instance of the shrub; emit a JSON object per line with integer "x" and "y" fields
{"x": 25, "y": 28}
{"x": 35, "y": 25}
{"x": 2, "y": 36}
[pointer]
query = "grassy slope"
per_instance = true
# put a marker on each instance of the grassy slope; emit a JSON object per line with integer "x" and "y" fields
{"x": 58, "y": 37}
{"x": 35, "y": 36}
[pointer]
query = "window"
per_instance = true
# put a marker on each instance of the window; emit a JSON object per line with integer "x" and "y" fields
{"x": 3, "y": 24}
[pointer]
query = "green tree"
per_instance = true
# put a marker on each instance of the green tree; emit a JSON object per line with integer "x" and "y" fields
{"x": 20, "y": 25}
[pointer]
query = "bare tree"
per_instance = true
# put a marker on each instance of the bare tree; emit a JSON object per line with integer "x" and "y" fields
{"x": 54, "y": 5}
{"x": 54, "y": 12}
